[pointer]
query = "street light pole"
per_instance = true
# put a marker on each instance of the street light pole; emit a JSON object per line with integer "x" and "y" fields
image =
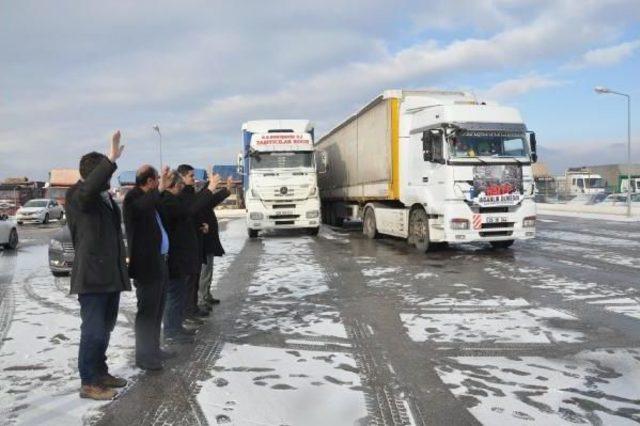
{"x": 601, "y": 91}
{"x": 157, "y": 129}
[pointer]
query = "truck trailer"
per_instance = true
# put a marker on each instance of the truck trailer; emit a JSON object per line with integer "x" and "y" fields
{"x": 431, "y": 167}
{"x": 280, "y": 185}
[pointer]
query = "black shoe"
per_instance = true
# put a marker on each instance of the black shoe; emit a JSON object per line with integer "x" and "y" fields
{"x": 210, "y": 300}
{"x": 200, "y": 313}
{"x": 166, "y": 354}
{"x": 149, "y": 365}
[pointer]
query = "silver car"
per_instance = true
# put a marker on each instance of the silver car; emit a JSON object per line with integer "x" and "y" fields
{"x": 8, "y": 233}
{"x": 39, "y": 211}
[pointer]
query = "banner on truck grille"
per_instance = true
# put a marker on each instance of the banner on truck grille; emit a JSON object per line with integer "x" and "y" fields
{"x": 496, "y": 185}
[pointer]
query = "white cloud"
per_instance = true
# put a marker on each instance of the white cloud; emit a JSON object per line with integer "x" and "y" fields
{"x": 606, "y": 56}
{"x": 519, "y": 86}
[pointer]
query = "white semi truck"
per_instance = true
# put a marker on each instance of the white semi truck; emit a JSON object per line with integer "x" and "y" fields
{"x": 431, "y": 167}
{"x": 280, "y": 185}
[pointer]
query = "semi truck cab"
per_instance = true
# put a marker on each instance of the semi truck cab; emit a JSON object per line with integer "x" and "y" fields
{"x": 281, "y": 189}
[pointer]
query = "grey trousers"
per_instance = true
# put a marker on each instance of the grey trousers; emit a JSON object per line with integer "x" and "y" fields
{"x": 206, "y": 275}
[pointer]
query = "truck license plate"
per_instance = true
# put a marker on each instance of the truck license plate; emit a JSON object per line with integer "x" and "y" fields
{"x": 284, "y": 213}
{"x": 495, "y": 219}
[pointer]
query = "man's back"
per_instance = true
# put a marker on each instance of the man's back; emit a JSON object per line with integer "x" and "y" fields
{"x": 94, "y": 222}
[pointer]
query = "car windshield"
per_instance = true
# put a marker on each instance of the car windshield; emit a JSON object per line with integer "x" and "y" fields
{"x": 487, "y": 144}
{"x": 281, "y": 160}
{"x": 36, "y": 203}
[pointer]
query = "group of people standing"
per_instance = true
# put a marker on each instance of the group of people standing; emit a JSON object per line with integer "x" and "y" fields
{"x": 172, "y": 239}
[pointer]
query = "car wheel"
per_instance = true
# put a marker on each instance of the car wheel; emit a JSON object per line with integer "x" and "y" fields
{"x": 61, "y": 216}
{"x": 13, "y": 240}
{"x": 253, "y": 233}
{"x": 46, "y": 219}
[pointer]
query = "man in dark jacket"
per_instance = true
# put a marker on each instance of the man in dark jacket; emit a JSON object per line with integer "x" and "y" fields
{"x": 184, "y": 260}
{"x": 99, "y": 271}
{"x": 148, "y": 257}
{"x": 211, "y": 247}
{"x": 188, "y": 197}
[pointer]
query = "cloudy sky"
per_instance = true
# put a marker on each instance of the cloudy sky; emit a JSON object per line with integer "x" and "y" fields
{"x": 72, "y": 71}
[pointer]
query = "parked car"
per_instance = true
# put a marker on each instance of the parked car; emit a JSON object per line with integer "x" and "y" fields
{"x": 621, "y": 199}
{"x": 8, "y": 233}
{"x": 61, "y": 253}
{"x": 39, "y": 211}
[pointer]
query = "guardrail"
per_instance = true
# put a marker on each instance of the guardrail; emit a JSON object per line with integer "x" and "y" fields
{"x": 618, "y": 210}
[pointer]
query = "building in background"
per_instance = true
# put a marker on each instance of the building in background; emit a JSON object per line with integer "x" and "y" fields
{"x": 615, "y": 176}
{"x": 59, "y": 181}
{"x": 14, "y": 192}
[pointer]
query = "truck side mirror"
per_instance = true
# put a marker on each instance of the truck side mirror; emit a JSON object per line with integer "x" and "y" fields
{"x": 240, "y": 164}
{"x": 323, "y": 162}
{"x": 534, "y": 147}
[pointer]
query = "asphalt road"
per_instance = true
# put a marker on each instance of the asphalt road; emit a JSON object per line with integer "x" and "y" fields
{"x": 339, "y": 329}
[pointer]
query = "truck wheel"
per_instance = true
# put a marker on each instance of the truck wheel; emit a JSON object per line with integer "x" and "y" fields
{"x": 13, "y": 240}
{"x": 501, "y": 244}
{"x": 313, "y": 231}
{"x": 369, "y": 227}
{"x": 419, "y": 230}
{"x": 253, "y": 233}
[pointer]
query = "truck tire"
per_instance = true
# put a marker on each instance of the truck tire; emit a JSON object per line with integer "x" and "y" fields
{"x": 419, "y": 229}
{"x": 13, "y": 240}
{"x": 253, "y": 233}
{"x": 369, "y": 228}
{"x": 313, "y": 231}
{"x": 501, "y": 244}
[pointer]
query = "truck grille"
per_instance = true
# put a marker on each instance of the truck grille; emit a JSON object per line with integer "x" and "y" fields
{"x": 497, "y": 225}
{"x": 284, "y": 206}
{"x": 284, "y": 217}
{"x": 494, "y": 210}
{"x": 495, "y": 233}
{"x": 285, "y": 222}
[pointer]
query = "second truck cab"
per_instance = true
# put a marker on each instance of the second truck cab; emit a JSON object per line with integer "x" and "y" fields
{"x": 280, "y": 185}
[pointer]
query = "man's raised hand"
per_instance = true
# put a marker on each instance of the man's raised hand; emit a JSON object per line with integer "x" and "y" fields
{"x": 116, "y": 148}
{"x": 214, "y": 180}
{"x": 165, "y": 177}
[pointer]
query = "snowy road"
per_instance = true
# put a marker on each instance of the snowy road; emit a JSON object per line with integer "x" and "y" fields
{"x": 342, "y": 330}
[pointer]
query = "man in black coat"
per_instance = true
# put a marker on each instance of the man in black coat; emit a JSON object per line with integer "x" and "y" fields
{"x": 99, "y": 271}
{"x": 211, "y": 247}
{"x": 184, "y": 260}
{"x": 148, "y": 256}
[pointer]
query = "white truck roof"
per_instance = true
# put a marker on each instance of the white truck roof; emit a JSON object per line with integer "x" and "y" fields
{"x": 263, "y": 126}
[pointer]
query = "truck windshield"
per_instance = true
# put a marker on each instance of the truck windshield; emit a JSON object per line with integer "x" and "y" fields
{"x": 595, "y": 183}
{"x": 281, "y": 160}
{"x": 468, "y": 145}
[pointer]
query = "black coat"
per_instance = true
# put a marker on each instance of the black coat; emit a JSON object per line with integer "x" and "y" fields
{"x": 185, "y": 255}
{"x": 211, "y": 240}
{"x": 143, "y": 234}
{"x": 100, "y": 256}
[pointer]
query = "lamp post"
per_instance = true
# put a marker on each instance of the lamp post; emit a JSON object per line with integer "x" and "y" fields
{"x": 605, "y": 91}
{"x": 157, "y": 129}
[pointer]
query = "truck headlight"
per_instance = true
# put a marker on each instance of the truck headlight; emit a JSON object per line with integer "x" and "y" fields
{"x": 256, "y": 216}
{"x": 529, "y": 222}
{"x": 312, "y": 214}
{"x": 254, "y": 194}
{"x": 459, "y": 224}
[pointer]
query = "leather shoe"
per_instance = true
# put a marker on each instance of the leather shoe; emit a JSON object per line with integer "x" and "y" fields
{"x": 109, "y": 381}
{"x": 212, "y": 301}
{"x": 200, "y": 313}
{"x": 97, "y": 392}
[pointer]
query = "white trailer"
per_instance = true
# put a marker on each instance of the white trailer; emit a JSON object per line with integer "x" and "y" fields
{"x": 431, "y": 167}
